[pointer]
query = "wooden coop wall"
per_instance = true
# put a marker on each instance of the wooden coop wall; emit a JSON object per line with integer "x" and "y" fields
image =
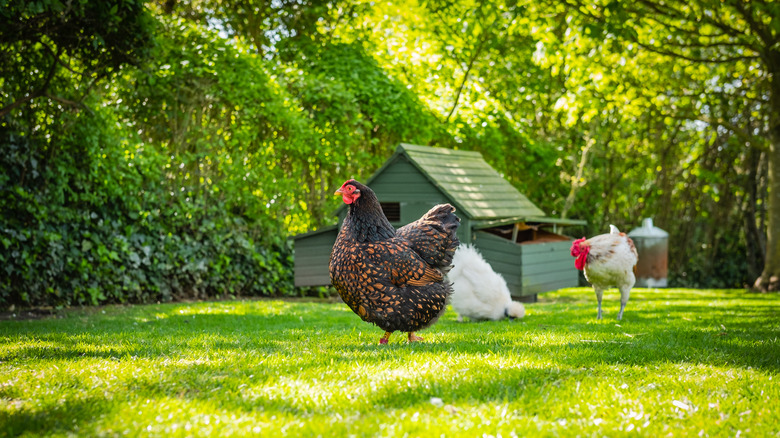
{"x": 529, "y": 267}
{"x": 312, "y": 256}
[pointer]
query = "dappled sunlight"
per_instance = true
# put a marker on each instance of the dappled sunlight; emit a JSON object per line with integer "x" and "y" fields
{"x": 259, "y": 366}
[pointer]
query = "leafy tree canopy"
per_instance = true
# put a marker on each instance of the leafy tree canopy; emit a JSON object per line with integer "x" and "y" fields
{"x": 168, "y": 149}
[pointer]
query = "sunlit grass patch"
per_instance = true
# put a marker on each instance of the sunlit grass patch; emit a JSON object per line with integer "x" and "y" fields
{"x": 681, "y": 362}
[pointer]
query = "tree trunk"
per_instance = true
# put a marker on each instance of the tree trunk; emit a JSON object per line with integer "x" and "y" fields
{"x": 753, "y": 223}
{"x": 770, "y": 278}
{"x": 577, "y": 178}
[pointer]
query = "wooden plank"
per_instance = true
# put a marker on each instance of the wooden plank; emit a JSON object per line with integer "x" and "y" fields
{"x": 513, "y": 280}
{"x": 312, "y": 275}
{"x": 430, "y": 160}
{"x": 312, "y": 266}
{"x": 404, "y": 193}
{"x": 307, "y": 263}
{"x": 316, "y": 245}
{"x": 542, "y": 288}
{"x": 409, "y": 178}
{"x": 329, "y": 233}
{"x": 438, "y": 151}
{"x": 489, "y": 238}
{"x": 550, "y": 277}
{"x": 400, "y": 170}
{"x": 552, "y": 266}
{"x": 491, "y": 210}
{"x": 563, "y": 246}
{"x": 498, "y": 248}
{"x": 446, "y": 176}
{"x": 309, "y": 251}
{"x": 328, "y": 229}
{"x": 486, "y": 187}
{"x": 503, "y": 256}
{"x": 503, "y": 262}
{"x": 312, "y": 255}
{"x": 312, "y": 280}
{"x": 495, "y": 198}
{"x": 487, "y": 243}
{"x": 488, "y": 213}
{"x": 547, "y": 287}
{"x": 546, "y": 257}
{"x": 477, "y": 173}
{"x": 479, "y": 200}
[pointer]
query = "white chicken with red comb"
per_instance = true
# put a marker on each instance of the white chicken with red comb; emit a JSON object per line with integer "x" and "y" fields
{"x": 607, "y": 260}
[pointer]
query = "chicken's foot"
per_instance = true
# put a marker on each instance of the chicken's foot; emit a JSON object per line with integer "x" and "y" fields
{"x": 414, "y": 338}
{"x": 385, "y": 338}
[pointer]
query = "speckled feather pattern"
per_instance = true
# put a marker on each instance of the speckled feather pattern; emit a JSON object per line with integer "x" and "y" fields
{"x": 394, "y": 279}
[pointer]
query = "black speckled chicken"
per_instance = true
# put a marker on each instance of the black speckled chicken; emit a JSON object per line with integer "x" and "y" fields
{"x": 393, "y": 278}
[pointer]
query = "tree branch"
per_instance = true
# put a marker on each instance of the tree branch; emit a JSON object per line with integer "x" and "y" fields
{"x": 738, "y": 131}
{"x": 693, "y": 59}
{"x": 37, "y": 93}
{"x": 58, "y": 59}
{"x": 474, "y": 57}
{"x": 757, "y": 28}
{"x": 680, "y": 15}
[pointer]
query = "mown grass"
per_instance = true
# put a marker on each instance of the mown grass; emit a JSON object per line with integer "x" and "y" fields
{"x": 681, "y": 363}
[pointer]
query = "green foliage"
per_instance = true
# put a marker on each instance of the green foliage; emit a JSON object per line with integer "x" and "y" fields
{"x": 59, "y": 50}
{"x": 163, "y": 150}
{"x": 681, "y": 362}
{"x": 85, "y": 227}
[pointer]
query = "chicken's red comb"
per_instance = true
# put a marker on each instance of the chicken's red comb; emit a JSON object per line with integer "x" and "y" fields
{"x": 575, "y": 247}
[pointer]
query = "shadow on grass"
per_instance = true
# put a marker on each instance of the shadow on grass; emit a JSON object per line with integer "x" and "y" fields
{"x": 243, "y": 355}
{"x": 65, "y": 417}
{"x": 587, "y": 294}
{"x": 743, "y": 335}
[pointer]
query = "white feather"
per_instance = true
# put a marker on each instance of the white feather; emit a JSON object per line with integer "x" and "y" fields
{"x": 478, "y": 291}
{"x": 614, "y": 261}
{"x": 611, "y": 262}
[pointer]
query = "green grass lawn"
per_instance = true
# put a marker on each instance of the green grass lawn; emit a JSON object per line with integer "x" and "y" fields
{"x": 681, "y": 363}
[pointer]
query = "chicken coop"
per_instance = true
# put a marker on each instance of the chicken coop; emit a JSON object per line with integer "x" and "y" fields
{"x": 516, "y": 237}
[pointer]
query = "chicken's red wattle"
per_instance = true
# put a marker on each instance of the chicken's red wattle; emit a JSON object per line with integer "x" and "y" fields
{"x": 579, "y": 262}
{"x": 581, "y": 252}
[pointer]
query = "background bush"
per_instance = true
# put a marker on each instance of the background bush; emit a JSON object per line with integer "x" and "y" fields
{"x": 168, "y": 150}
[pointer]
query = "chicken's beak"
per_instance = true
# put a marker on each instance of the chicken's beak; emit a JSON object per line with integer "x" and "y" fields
{"x": 338, "y": 192}
{"x": 506, "y": 314}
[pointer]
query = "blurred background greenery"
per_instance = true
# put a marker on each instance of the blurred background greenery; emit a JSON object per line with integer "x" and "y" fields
{"x": 163, "y": 150}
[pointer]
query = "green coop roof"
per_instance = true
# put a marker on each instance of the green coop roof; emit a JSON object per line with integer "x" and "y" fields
{"x": 474, "y": 187}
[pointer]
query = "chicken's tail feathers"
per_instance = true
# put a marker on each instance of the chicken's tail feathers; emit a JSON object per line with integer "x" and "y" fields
{"x": 515, "y": 309}
{"x": 613, "y": 229}
{"x": 445, "y": 215}
{"x": 434, "y": 236}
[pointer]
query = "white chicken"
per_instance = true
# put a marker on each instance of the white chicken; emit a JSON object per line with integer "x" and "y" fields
{"x": 478, "y": 292}
{"x": 608, "y": 260}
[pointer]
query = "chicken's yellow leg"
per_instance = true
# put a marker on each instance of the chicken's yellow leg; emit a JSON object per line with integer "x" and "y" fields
{"x": 414, "y": 338}
{"x": 385, "y": 338}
